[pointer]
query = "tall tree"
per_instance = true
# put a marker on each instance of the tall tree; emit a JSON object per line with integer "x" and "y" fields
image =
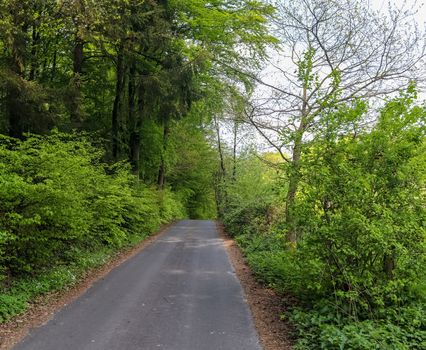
{"x": 331, "y": 52}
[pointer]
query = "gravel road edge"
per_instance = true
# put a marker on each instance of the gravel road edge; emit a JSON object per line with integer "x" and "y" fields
{"x": 265, "y": 304}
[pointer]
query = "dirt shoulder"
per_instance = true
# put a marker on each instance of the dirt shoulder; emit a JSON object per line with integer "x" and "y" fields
{"x": 266, "y": 305}
{"x": 43, "y": 308}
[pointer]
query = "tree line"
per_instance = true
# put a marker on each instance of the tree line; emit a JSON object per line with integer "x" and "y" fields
{"x": 114, "y": 67}
{"x": 117, "y": 116}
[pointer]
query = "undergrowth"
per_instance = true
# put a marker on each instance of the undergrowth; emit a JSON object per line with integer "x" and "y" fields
{"x": 321, "y": 323}
{"x": 63, "y": 211}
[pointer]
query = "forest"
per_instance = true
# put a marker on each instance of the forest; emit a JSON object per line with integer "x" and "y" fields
{"x": 298, "y": 124}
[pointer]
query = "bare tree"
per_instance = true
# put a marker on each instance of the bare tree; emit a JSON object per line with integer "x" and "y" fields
{"x": 332, "y": 52}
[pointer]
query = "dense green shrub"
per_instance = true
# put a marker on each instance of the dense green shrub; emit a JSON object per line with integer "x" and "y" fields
{"x": 322, "y": 328}
{"x": 361, "y": 212}
{"x": 63, "y": 211}
{"x": 58, "y": 198}
{"x": 250, "y": 204}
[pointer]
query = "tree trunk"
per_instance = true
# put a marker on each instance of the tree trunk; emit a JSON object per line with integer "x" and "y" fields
{"x": 292, "y": 189}
{"x": 13, "y": 96}
{"x": 134, "y": 136}
{"x": 234, "y": 152}
{"x": 53, "y": 71}
{"x": 294, "y": 176}
{"x": 35, "y": 39}
{"x": 220, "y": 193}
{"x": 135, "y": 139}
{"x": 389, "y": 264}
{"x": 76, "y": 113}
{"x": 119, "y": 85}
{"x": 78, "y": 55}
{"x": 161, "y": 182}
{"x": 135, "y": 145}
{"x": 219, "y": 146}
{"x": 14, "y": 109}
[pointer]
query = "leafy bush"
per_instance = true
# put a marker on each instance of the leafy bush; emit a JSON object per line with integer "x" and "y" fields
{"x": 59, "y": 206}
{"x": 11, "y": 305}
{"x": 323, "y": 329}
{"x": 250, "y": 205}
{"x": 170, "y": 208}
{"x": 247, "y": 219}
{"x": 361, "y": 211}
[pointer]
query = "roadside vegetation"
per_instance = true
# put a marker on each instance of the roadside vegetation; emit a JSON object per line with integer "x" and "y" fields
{"x": 119, "y": 116}
{"x": 358, "y": 267}
{"x": 334, "y": 213}
{"x": 63, "y": 211}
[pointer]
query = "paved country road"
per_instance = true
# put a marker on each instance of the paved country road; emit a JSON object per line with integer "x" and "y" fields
{"x": 180, "y": 293}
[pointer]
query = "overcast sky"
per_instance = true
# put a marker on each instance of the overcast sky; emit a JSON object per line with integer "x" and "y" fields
{"x": 270, "y": 75}
{"x": 381, "y": 5}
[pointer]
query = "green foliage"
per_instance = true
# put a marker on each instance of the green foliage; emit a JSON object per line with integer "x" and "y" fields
{"x": 361, "y": 211}
{"x": 250, "y": 196}
{"x": 238, "y": 23}
{"x": 56, "y": 193}
{"x": 358, "y": 269}
{"x": 59, "y": 202}
{"x": 266, "y": 256}
{"x": 193, "y": 167}
{"x": 142, "y": 75}
{"x": 321, "y": 329}
{"x": 90, "y": 64}
{"x": 170, "y": 208}
{"x": 11, "y": 305}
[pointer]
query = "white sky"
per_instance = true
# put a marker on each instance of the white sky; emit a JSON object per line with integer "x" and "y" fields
{"x": 270, "y": 75}
{"x": 381, "y": 5}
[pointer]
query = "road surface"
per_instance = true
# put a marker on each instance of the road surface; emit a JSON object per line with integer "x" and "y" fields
{"x": 180, "y": 293}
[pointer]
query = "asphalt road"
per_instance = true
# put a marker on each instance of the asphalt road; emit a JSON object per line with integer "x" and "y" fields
{"x": 180, "y": 293}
